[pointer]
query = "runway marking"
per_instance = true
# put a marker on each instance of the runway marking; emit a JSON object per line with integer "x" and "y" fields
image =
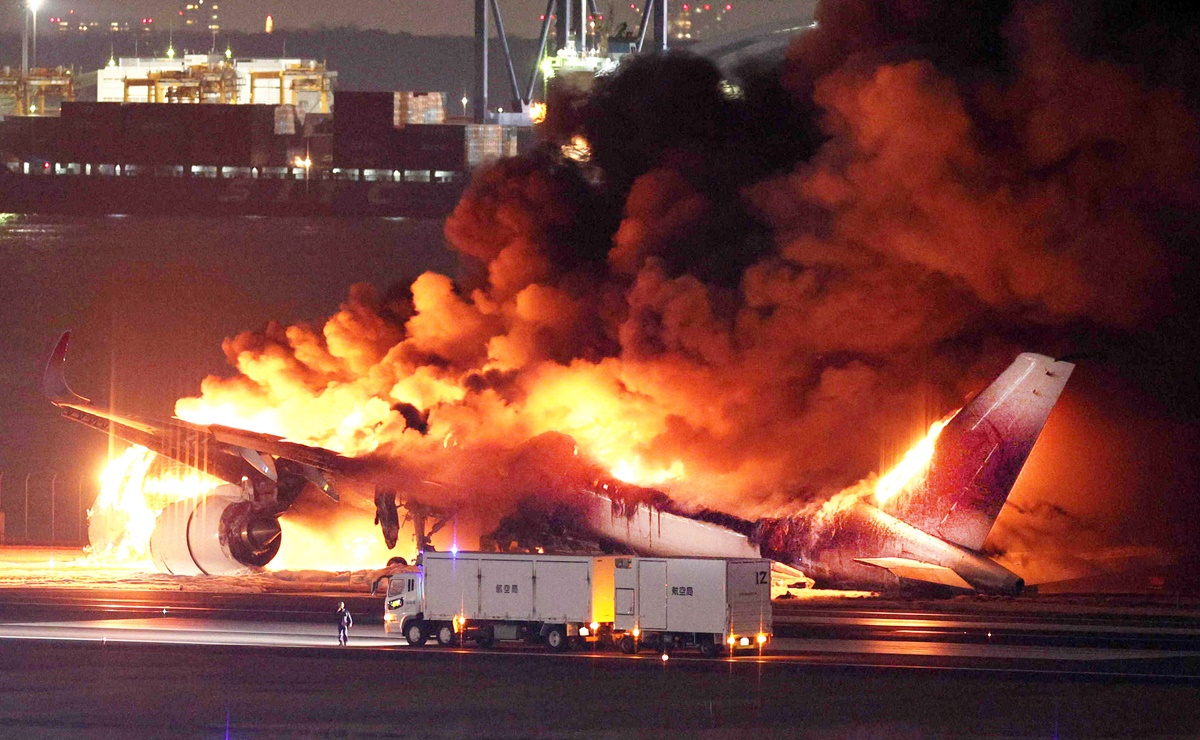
{"x": 185, "y": 631}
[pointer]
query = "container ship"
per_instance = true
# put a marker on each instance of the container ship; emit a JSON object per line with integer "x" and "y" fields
{"x": 385, "y": 154}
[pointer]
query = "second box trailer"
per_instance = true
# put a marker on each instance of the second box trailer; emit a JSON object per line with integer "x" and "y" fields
{"x": 712, "y": 604}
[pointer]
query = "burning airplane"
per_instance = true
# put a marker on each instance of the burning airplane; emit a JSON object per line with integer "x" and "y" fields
{"x": 924, "y": 523}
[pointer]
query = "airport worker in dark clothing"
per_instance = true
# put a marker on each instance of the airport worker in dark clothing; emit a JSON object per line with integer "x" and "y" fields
{"x": 345, "y": 621}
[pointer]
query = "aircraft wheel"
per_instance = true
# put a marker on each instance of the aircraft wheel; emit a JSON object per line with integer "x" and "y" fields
{"x": 445, "y": 635}
{"x": 416, "y": 633}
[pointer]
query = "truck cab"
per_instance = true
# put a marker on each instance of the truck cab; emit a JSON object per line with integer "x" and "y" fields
{"x": 405, "y": 594}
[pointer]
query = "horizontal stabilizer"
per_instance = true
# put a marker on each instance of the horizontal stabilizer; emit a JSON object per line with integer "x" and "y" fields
{"x": 915, "y": 570}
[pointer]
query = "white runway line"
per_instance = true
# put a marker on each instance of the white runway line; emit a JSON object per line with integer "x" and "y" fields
{"x": 187, "y": 631}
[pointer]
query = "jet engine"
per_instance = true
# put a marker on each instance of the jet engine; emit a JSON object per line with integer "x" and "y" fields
{"x": 221, "y": 533}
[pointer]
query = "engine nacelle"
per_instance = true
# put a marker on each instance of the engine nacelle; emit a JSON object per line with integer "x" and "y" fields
{"x": 217, "y": 534}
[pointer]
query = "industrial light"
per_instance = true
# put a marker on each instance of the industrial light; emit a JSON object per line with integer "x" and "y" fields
{"x": 583, "y": 632}
{"x": 762, "y": 638}
{"x": 744, "y": 641}
{"x": 731, "y": 640}
{"x": 595, "y": 626}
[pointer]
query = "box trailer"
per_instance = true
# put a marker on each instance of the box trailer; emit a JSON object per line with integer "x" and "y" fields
{"x": 712, "y": 604}
{"x": 485, "y": 597}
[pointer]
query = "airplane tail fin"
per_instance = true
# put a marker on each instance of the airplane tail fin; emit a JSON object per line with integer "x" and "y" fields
{"x": 981, "y": 451}
{"x": 54, "y": 381}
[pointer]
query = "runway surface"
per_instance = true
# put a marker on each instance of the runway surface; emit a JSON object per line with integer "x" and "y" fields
{"x": 148, "y": 656}
{"x": 1114, "y": 661}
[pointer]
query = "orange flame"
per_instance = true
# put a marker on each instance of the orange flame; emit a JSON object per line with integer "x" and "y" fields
{"x": 914, "y": 462}
{"x": 131, "y": 498}
{"x": 633, "y": 470}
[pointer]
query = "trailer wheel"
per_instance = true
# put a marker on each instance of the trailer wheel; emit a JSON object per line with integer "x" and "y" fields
{"x": 556, "y": 638}
{"x": 485, "y": 638}
{"x": 416, "y": 633}
{"x": 707, "y": 646}
{"x": 445, "y": 635}
{"x": 628, "y": 646}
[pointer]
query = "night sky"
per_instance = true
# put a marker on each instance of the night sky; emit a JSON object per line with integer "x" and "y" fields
{"x": 428, "y": 17}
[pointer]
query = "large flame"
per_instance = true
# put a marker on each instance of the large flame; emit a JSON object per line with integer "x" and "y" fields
{"x": 131, "y": 498}
{"x": 133, "y": 492}
{"x": 913, "y": 464}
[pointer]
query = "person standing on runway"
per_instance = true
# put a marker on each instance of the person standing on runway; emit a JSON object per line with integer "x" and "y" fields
{"x": 345, "y": 621}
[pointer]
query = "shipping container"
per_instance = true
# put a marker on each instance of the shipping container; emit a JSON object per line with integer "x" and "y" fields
{"x": 236, "y": 136}
{"x": 456, "y": 147}
{"x": 92, "y": 132}
{"x": 364, "y": 111}
{"x": 366, "y": 149}
{"x": 434, "y": 147}
{"x": 44, "y": 138}
{"x": 14, "y": 137}
{"x": 709, "y": 603}
{"x": 285, "y": 120}
{"x": 157, "y": 134}
{"x": 418, "y": 107}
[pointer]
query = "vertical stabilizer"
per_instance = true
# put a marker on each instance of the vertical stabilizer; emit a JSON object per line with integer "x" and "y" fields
{"x": 980, "y": 453}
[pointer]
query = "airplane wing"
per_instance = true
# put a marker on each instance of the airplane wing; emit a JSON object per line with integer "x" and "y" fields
{"x": 227, "y": 453}
{"x": 916, "y": 570}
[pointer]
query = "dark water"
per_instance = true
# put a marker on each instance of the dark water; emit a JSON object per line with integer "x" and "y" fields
{"x": 150, "y": 300}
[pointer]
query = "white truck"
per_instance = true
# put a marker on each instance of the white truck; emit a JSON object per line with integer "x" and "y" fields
{"x": 638, "y": 602}
{"x": 485, "y": 597}
{"x": 712, "y": 604}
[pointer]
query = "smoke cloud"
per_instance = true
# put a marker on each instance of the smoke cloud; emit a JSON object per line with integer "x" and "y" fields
{"x": 754, "y": 297}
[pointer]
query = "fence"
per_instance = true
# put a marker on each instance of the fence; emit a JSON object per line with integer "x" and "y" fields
{"x": 45, "y": 508}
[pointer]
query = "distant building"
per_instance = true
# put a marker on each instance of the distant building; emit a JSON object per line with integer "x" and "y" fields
{"x": 700, "y": 21}
{"x": 204, "y": 78}
{"x": 74, "y": 23}
{"x": 202, "y": 14}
